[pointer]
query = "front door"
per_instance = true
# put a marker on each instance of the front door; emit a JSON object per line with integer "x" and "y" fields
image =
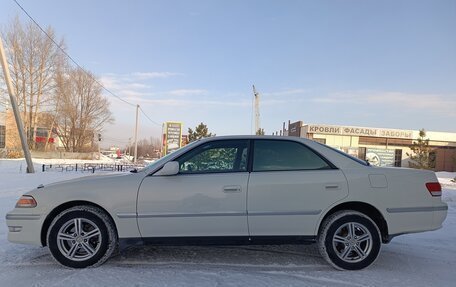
{"x": 207, "y": 197}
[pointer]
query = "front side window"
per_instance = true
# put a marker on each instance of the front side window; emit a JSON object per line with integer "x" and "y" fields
{"x": 215, "y": 157}
{"x": 277, "y": 155}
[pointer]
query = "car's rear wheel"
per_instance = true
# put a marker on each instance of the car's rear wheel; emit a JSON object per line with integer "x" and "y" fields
{"x": 82, "y": 236}
{"x": 349, "y": 240}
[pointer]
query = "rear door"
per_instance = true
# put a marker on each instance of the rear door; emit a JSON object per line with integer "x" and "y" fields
{"x": 289, "y": 186}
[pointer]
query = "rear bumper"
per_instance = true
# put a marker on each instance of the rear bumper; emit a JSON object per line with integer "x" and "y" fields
{"x": 439, "y": 216}
{"x": 416, "y": 219}
{"x": 24, "y": 228}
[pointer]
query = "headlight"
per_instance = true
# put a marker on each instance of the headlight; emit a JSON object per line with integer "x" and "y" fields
{"x": 26, "y": 201}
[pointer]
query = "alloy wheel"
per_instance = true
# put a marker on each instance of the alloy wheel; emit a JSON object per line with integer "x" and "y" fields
{"x": 79, "y": 239}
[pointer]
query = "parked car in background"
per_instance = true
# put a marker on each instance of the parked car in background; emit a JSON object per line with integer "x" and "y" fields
{"x": 237, "y": 189}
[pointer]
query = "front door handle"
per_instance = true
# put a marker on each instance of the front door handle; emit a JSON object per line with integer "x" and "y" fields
{"x": 332, "y": 186}
{"x": 232, "y": 188}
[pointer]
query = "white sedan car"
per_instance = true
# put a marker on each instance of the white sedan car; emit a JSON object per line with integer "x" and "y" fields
{"x": 238, "y": 189}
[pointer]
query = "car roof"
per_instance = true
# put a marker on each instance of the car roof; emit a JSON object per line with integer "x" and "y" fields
{"x": 241, "y": 137}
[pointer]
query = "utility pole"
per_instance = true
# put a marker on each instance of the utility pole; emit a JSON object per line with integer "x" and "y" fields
{"x": 136, "y": 134}
{"x": 257, "y": 109}
{"x": 99, "y": 143}
{"x": 17, "y": 116}
{"x": 129, "y": 148}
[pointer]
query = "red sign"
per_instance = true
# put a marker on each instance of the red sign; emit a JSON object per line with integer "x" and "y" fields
{"x": 43, "y": 140}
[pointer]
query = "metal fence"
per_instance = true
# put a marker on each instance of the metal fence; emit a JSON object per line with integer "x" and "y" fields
{"x": 89, "y": 167}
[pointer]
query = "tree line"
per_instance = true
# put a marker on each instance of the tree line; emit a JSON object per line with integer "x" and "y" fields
{"x": 54, "y": 97}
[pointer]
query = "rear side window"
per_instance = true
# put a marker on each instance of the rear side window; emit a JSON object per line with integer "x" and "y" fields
{"x": 275, "y": 155}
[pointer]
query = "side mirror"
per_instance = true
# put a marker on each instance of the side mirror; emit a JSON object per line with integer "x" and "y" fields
{"x": 170, "y": 168}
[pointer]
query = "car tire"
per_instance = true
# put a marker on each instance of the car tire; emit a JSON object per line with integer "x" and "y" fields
{"x": 349, "y": 240}
{"x": 82, "y": 236}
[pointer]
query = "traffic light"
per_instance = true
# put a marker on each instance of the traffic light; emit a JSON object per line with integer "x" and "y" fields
{"x": 99, "y": 137}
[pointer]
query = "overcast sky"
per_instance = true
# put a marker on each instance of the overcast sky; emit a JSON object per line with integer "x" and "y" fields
{"x": 365, "y": 63}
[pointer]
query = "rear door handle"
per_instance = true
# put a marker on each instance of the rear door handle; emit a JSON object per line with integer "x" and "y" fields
{"x": 332, "y": 186}
{"x": 232, "y": 188}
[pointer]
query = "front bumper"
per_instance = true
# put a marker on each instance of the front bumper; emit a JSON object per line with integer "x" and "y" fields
{"x": 24, "y": 228}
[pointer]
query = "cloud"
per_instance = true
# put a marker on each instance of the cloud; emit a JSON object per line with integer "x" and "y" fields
{"x": 153, "y": 75}
{"x": 188, "y": 92}
{"x": 191, "y": 103}
{"x": 411, "y": 101}
{"x": 136, "y": 87}
{"x": 133, "y": 85}
{"x": 133, "y": 80}
{"x": 202, "y": 97}
{"x": 287, "y": 92}
{"x": 113, "y": 82}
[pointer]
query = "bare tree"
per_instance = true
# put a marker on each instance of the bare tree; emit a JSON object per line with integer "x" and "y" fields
{"x": 149, "y": 148}
{"x": 62, "y": 69}
{"x": 32, "y": 58}
{"x": 50, "y": 92}
{"x": 82, "y": 110}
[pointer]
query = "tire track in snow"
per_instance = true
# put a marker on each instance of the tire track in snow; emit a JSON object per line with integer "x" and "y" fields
{"x": 324, "y": 280}
{"x": 218, "y": 265}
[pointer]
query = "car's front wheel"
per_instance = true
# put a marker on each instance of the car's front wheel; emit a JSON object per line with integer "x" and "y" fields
{"x": 82, "y": 236}
{"x": 349, "y": 240}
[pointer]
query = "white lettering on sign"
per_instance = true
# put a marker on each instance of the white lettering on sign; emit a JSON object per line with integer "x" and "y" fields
{"x": 173, "y": 136}
{"x": 360, "y": 131}
{"x": 324, "y": 129}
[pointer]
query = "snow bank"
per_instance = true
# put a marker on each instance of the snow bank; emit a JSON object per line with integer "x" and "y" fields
{"x": 446, "y": 179}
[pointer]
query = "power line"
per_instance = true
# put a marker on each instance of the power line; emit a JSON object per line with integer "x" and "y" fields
{"x": 144, "y": 113}
{"x": 116, "y": 140}
{"x": 79, "y": 66}
{"x": 69, "y": 57}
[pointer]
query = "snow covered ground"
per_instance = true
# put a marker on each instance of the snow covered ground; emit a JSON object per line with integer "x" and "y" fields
{"x": 423, "y": 259}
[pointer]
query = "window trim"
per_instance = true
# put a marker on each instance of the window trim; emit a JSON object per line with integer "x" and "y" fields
{"x": 355, "y": 159}
{"x": 217, "y": 172}
{"x": 331, "y": 166}
{"x": 210, "y": 172}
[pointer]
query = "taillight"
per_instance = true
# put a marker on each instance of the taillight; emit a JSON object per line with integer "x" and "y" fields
{"x": 434, "y": 188}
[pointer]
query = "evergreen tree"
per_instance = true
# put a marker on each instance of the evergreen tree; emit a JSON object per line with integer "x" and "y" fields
{"x": 201, "y": 131}
{"x": 420, "y": 156}
{"x": 260, "y": 132}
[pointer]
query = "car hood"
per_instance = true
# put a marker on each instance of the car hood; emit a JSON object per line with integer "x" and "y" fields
{"x": 85, "y": 179}
{"x": 91, "y": 183}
